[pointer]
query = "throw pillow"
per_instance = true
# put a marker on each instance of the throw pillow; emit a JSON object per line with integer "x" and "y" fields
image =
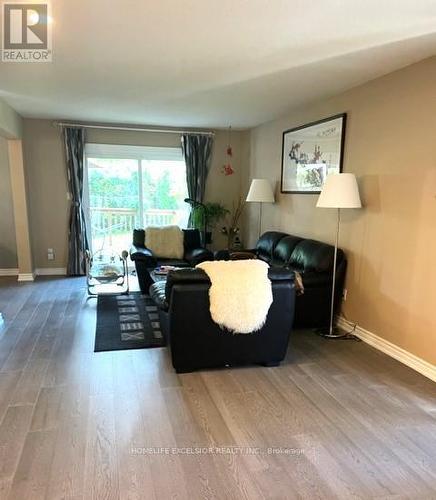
{"x": 165, "y": 242}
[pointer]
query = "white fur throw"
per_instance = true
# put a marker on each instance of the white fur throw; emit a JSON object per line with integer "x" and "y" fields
{"x": 240, "y": 295}
{"x": 165, "y": 242}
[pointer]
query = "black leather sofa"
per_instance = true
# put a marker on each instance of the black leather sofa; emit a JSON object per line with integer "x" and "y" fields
{"x": 145, "y": 261}
{"x": 196, "y": 341}
{"x": 314, "y": 261}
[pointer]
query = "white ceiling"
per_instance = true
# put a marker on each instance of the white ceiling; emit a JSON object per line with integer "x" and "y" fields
{"x": 211, "y": 63}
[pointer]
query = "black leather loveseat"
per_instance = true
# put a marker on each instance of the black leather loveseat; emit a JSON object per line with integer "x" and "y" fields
{"x": 145, "y": 261}
{"x": 196, "y": 341}
{"x": 314, "y": 261}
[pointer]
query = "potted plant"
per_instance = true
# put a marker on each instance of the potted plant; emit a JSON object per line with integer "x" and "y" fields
{"x": 232, "y": 230}
{"x": 208, "y": 215}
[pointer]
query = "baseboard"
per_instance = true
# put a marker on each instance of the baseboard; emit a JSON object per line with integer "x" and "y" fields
{"x": 421, "y": 366}
{"x": 51, "y": 271}
{"x": 9, "y": 272}
{"x": 41, "y": 271}
{"x": 26, "y": 276}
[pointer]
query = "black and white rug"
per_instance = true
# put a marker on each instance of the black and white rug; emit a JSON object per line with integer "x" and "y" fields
{"x": 127, "y": 322}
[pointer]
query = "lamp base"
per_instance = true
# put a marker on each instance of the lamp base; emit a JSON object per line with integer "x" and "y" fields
{"x": 336, "y": 333}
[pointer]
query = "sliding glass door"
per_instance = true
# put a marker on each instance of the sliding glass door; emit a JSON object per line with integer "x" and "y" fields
{"x": 133, "y": 187}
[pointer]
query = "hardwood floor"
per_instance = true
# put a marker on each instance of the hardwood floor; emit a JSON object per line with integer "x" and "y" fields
{"x": 336, "y": 420}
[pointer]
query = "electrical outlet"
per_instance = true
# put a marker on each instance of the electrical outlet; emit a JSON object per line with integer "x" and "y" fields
{"x": 50, "y": 254}
{"x": 345, "y": 294}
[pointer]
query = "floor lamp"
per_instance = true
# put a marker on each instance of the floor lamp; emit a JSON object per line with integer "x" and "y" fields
{"x": 339, "y": 191}
{"x": 261, "y": 192}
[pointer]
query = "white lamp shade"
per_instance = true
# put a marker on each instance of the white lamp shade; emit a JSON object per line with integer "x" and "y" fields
{"x": 260, "y": 191}
{"x": 340, "y": 191}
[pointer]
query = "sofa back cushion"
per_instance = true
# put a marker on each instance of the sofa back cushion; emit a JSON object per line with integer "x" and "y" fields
{"x": 196, "y": 276}
{"x": 312, "y": 255}
{"x": 192, "y": 239}
{"x": 188, "y": 276}
{"x": 284, "y": 248}
{"x": 139, "y": 237}
{"x": 266, "y": 244}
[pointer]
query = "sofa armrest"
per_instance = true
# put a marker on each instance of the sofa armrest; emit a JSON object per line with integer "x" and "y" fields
{"x": 196, "y": 255}
{"x": 157, "y": 294}
{"x": 143, "y": 254}
{"x": 281, "y": 274}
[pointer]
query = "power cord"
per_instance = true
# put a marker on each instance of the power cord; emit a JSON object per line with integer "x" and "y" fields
{"x": 349, "y": 335}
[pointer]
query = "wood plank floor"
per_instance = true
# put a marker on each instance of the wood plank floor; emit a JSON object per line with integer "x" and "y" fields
{"x": 336, "y": 420}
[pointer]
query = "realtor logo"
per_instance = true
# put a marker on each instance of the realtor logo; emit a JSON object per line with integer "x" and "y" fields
{"x": 26, "y": 33}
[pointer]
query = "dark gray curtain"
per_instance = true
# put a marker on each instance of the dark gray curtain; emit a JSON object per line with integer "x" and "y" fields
{"x": 197, "y": 151}
{"x": 74, "y": 141}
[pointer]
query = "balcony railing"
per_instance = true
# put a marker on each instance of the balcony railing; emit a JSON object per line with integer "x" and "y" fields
{"x": 110, "y": 226}
{"x": 158, "y": 217}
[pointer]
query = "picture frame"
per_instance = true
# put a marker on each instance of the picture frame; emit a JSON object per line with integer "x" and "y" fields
{"x": 310, "y": 152}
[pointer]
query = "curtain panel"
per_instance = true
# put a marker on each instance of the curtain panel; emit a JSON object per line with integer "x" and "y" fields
{"x": 197, "y": 152}
{"x": 74, "y": 143}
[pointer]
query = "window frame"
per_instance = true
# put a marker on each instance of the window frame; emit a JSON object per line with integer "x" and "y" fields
{"x": 127, "y": 152}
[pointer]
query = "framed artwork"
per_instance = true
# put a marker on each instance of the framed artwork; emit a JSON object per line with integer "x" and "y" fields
{"x": 310, "y": 153}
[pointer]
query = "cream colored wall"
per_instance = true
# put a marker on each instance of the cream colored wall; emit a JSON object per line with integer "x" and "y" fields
{"x": 11, "y": 123}
{"x": 47, "y": 192}
{"x": 15, "y": 248}
{"x": 8, "y": 244}
{"x": 390, "y": 243}
{"x": 47, "y": 182}
{"x": 21, "y": 210}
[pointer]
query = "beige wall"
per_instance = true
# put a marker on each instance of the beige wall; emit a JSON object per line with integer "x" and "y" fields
{"x": 48, "y": 186}
{"x": 47, "y": 192}
{"x": 10, "y": 122}
{"x": 391, "y": 242}
{"x": 21, "y": 210}
{"x": 8, "y": 245}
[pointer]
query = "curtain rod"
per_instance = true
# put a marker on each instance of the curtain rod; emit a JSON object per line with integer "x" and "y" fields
{"x": 132, "y": 129}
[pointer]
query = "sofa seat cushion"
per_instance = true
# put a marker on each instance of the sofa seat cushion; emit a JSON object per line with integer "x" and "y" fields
{"x": 157, "y": 294}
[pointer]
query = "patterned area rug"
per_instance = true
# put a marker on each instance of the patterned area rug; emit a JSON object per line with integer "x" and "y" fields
{"x": 127, "y": 322}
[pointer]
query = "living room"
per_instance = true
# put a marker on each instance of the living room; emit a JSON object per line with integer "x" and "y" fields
{"x": 295, "y": 348}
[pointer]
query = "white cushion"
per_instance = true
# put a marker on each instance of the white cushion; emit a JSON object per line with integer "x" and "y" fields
{"x": 165, "y": 242}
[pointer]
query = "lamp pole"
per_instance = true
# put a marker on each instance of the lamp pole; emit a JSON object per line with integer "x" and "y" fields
{"x": 335, "y": 258}
{"x": 260, "y": 218}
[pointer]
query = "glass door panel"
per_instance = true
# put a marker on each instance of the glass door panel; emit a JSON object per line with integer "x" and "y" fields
{"x": 163, "y": 191}
{"x": 114, "y": 203}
